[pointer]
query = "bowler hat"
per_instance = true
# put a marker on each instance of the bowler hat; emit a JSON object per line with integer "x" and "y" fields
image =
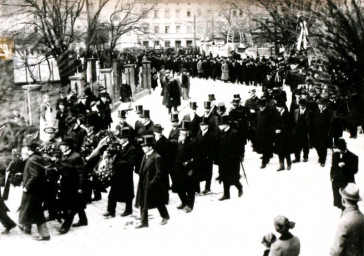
{"x": 174, "y": 117}
{"x": 148, "y": 140}
{"x": 158, "y": 128}
{"x": 193, "y": 104}
{"x": 145, "y": 114}
{"x": 212, "y": 97}
{"x": 282, "y": 222}
{"x": 207, "y": 104}
{"x": 236, "y": 96}
{"x": 351, "y": 192}
{"x": 122, "y": 114}
{"x": 185, "y": 125}
{"x": 302, "y": 102}
{"x": 340, "y": 144}
{"x": 32, "y": 144}
{"x": 139, "y": 109}
{"x": 68, "y": 141}
{"x": 223, "y": 120}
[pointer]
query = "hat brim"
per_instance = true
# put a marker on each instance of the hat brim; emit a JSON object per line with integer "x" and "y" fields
{"x": 347, "y": 196}
{"x": 147, "y": 144}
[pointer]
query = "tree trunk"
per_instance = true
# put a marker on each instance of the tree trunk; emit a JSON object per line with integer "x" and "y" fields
{"x": 64, "y": 69}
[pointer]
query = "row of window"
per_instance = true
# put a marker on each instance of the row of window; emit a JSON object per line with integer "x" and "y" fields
{"x": 167, "y": 43}
{"x": 188, "y": 13}
{"x": 167, "y": 29}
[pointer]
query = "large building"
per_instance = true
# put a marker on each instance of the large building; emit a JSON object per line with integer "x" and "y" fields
{"x": 174, "y": 23}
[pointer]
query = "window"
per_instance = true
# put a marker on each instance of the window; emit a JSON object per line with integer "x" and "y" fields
{"x": 156, "y": 29}
{"x": 167, "y": 14}
{"x": 188, "y": 13}
{"x": 189, "y": 29}
{"x": 189, "y": 43}
{"x": 146, "y": 43}
{"x": 178, "y": 29}
{"x": 167, "y": 43}
{"x": 178, "y": 13}
{"x": 178, "y": 43}
{"x": 156, "y": 14}
{"x": 156, "y": 43}
{"x": 166, "y": 29}
{"x": 145, "y": 28}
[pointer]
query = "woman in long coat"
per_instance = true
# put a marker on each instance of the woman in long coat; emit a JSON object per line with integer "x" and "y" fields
{"x": 225, "y": 71}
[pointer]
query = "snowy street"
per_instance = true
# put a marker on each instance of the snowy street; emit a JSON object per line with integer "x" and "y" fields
{"x": 233, "y": 227}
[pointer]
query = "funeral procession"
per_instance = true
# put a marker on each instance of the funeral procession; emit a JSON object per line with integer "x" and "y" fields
{"x": 182, "y": 127}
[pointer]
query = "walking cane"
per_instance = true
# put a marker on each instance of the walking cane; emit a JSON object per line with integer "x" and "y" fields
{"x": 245, "y": 177}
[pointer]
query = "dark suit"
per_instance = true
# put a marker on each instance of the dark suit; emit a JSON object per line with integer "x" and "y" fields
{"x": 166, "y": 150}
{"x": 151, "y": 192}
{"x": 194, "y": 124}
{"x": 229, "y": 154}
{"x": 341, "y": 176}
{"x": 174, "y": 134}
{"x": 122, "y": 185}
{"x": 300, "y": 132}
{"x": 74, "y": 178}
{"x": 264, "y": 133}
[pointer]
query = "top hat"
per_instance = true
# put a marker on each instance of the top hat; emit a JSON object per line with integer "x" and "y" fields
{"x": 139, "y": 109}
{"x": 211, "y": 97}
{"x": 281, "y": 222}
{"x": 223, "y": 120}
{"x": 185, "y": 125}
{"x": 32, "y": 144}
{"x": 158, "y": 128}
{"x": 221, "y": 107}
{"x": 174, "y": 117}
{"x": 148, "y": 140}
{"x": 236, "y": 100}
{"x": 204, "y": 121}
{"x": 123, "y": 133}
{"x": 68, "y": 141}
{"x": 122, "y": 114}
{"x": 340, "y": 144}
{"x": 207, "y": 104}
{"x": 351, "y": 192}
{"x": 280, "y": 104}
{"x": 193, "y": 105}
{"x": 236, "y": 96}
{"x": 145, "y": 114}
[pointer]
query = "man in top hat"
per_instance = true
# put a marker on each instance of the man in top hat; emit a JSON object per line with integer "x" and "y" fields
{"x": 147, "y": 125}
{"x": 183, "y": 176}
{"x": 211, "y": 118}
{"x": 205, "y": 154}
{"x": 320, "y": 130}
{"x": 73, "y": 186}
{"x": 302, "y": 117}
{"x": 104, "y": 110}
{"x": 123, "y": 124}
{"x": 349, "y": 238}
{"x": 166, "y": 150}
{"x": 62, "y": 97}
{"x": 343, "y": 169}
{"x": 213, "y": 109}
{"x": 239, "y": 120}
{"x": 185, "y": 84}
{"x": 31, "y": 209}
{"x": 283, "y": 139}
{"x": 171, "y": 95}
{"x": 62, "y": 116}
{"x": 194, "y": 119}
{"x": 174, "y": 133}
{"x": 151, "y": 192}
{"x": 81, "y": 107}
{"x": 228, "y": 157}
{"x": 125, "y": 96}
{"x": 121, "y": 183}
{"x": 102, "y": 91}
{"x": 139, "y": 112}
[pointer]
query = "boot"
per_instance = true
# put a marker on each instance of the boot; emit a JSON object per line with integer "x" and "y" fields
{"x": 281, "y": 168}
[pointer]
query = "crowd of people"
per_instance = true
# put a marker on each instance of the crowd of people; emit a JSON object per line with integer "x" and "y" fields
{"x": 79, "y": 157}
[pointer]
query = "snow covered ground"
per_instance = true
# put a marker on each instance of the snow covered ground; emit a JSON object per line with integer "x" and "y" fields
{"x": 232, "y": 227}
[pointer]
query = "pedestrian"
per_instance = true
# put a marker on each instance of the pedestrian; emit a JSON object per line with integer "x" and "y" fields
{"x": 343, "y": 169}
{"x": 229, "y": 157}
{"x": 154, "y": 76}
{"x": 349, "y": 238}
{"x": 46, "y": 115}
{"x": 151, "y": 192}
{"x": 31, "y": 209}
{"x": 125, "y": 96}
{"x": 193, "y": 118}
{"x": 287, "y": 244}
{"x": 171, "y": 94}
{"x": 174, "y": 132}
{"x": 185, "y": 85}
{"x": 225, "y": 71}
{"x": 302, "y": 118}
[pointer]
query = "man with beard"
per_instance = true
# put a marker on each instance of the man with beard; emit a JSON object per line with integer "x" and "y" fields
{"x": 31, "y": 210}
{"x": 122, "y": 185}
{"x": 151, "y": 192}
{"x": 73, "y": 186}
{"x": 194, "y": 119}
{"x": 228, "y": 157}
{"x": 263, "y": 143}
{"x": 184, "y": 183}
{"x": 205, "y": 143}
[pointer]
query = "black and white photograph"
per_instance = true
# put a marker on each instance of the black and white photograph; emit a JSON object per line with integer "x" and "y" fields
{"x": 182, "y": 127}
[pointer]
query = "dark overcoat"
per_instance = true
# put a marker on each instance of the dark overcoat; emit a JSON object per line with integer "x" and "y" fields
{"x": 341, "y": 176}
{"x": 122, "y": 184}
{"x": 151, "y": 191}
{"x": 320, "y": 128}
{"x": 264, "y": 132}
{"x": 74, "y": 178}
{"x": 283, "y": 141}
{"x": 240, "y": 117}
{"x": 167, "y": 151}
{"x": 171, "y": 94}
{"x": 31, "y": 210}
{"x": 228, "y": 157}
{"x": 194, "y": 124}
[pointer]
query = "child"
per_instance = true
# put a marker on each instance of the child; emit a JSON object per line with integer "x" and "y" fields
{"x": 267, "y": 241}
